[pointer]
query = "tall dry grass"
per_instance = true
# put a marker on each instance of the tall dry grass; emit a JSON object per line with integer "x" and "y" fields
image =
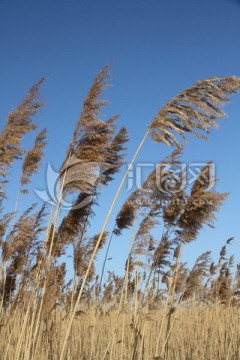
{"x": 199, "y": 332}
{"x": 160, "y": 308}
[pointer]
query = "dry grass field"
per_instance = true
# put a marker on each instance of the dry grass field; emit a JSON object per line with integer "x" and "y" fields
{"x": 197, "y": 333}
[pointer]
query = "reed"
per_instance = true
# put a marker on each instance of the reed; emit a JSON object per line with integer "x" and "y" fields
{"x": 159, "y": 308}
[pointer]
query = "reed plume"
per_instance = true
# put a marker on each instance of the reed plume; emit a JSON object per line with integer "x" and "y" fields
{"x": 161, "y": 257}
{"x": 213, "y": 269}
{"x": 91, "y": 107}
{"x": 54, "y": 285}
{"x": 73, "y": 225}
{"x": 143, "y": 239}
{"x": 200, "y": 208}
{"x": 180, "y": 279}
{"x": 17, "y": 125}
{"x": 115, "y": 156}
{"x": 24, "y": 237}
{"x": 32, "y": 160}
{"x": 94, "y": 146}
{"x": 149, "y": 196}
{"x": 93, "y": 157}
{"x": 4, "y": 222}
{"x": 125, "y": 217}
{"x": 195, "y": 278}
{"x": 82, "y": 254}
{"x": 19, "y": 250}
{"x": 223, "y": 285}
{"x": 193, "y": 111}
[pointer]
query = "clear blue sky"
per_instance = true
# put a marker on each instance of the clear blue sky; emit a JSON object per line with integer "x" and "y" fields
{"x": 157, "y": 48}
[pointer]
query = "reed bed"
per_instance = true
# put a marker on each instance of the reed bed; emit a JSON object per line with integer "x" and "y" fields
{"x": 160, "y": 308}
{"x": 199, "y": 332}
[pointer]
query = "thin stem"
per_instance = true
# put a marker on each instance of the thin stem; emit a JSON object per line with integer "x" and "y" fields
{"x": 105, "y": 260}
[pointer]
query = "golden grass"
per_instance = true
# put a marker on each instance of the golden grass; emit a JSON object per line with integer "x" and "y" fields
{"x": 199, "y": 333}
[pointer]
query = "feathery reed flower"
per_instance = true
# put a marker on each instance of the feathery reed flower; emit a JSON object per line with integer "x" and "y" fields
{"x": 17, "y": 125}
{"x": 193, "y": 111}
{"x": 32, "y": 160}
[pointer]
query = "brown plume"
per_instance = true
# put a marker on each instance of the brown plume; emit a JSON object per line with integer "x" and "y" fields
{"x": 193, "y": 111}
{"x": 18, "y": 124}
{"x": 53, "y": 290}
{"x": 200, "y": 208}
{"x": 32, "y": 160}
{"x": 94, "y": 146}
{"x": 125, "y": 217}
{"x": 197, "y": 274}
